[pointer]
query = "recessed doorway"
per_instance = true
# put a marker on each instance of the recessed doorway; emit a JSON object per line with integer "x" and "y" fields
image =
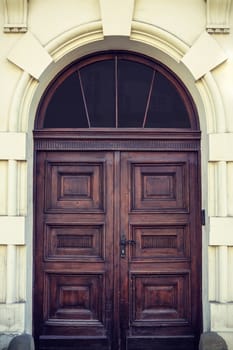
{"x": 117, "y": 242}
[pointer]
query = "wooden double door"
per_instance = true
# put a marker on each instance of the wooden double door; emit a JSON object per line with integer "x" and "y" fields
{"x": 117, "y": 250}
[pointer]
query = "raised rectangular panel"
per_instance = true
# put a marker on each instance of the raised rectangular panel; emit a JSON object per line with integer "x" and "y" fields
{"x": 160, "y": 297}
{"x": 160, "y": 241}
{"x": 74, "y": 242}
{"x": 74, "y": 187}
{"x": 159, "y": 187}
{"x": 75, "y": 298}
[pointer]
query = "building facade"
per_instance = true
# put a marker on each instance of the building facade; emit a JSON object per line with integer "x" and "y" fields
{"x": 189, "y": 42}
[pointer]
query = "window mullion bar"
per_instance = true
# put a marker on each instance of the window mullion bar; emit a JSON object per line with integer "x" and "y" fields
{"x": 116, "y": 91}
{"x": 84, "y": 99}
{"x": 148, "y": 99}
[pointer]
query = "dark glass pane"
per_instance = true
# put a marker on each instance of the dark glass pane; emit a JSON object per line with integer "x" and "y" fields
{"x": 163, "y": 108}
{"x": 134, "y": 81}
{"x": 98, "y": 81}
{"x": 66, "y": 108}
{"x": 167, "y": 109}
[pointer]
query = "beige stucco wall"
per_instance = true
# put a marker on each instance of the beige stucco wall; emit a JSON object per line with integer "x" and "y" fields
{"x": 173, "y": 31}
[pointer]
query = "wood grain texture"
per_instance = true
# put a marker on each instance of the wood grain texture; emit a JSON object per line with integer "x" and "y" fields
{"x": 84, "y": 289}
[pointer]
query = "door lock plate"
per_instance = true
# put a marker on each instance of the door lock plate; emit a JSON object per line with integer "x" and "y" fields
{"x": 123, "y": 243}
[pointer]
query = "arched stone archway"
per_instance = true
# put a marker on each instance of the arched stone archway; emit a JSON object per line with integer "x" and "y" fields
{"x": 117, "y": 208}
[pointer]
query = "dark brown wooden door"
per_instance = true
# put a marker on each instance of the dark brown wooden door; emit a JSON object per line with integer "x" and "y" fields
{"x": 160, "y": 274}
{"x": 117, "y": 250}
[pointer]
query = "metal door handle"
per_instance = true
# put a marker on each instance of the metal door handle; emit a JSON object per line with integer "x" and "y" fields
{"x": 124, "y": 242}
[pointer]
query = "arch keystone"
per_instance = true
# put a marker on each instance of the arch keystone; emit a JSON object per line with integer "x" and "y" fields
{"x": 117, "y": 16}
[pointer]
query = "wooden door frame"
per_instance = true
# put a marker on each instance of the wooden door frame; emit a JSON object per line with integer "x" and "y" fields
{"x": 124, "y": 140}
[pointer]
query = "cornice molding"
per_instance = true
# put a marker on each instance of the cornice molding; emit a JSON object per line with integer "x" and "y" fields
{"x": 218, "y": 12}
{"x": 16, "y": 16}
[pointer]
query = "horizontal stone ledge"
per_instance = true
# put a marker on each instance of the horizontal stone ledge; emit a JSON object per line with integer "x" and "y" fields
{"x": 221, "y": 317}
{"x": 12, "y": 146}
{"x": 12, "y": 230}
{"x": 12, "y": 318}
{"x": 221, "y": 231}
{"x": 221, "y": 147}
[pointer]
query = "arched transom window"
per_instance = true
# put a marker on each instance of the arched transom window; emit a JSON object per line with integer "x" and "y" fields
{"x": 116, "y": 90}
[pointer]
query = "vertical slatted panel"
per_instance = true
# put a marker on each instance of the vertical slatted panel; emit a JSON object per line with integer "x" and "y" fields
{"x": 212, "y": 186}
{"x": 3, "y": 259}
{"x": 21, "y": 273}
{"x": 22, "y": 188}
{"x": 230, "y": 188}
{"x": 3, "y": 187}
{"x": 11, "y": 249}
{"x": 212, "y": 280}
{"x": 230, "y": 269}
{"x": 222, "y": 189}
{"x": 222, "y": 269}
